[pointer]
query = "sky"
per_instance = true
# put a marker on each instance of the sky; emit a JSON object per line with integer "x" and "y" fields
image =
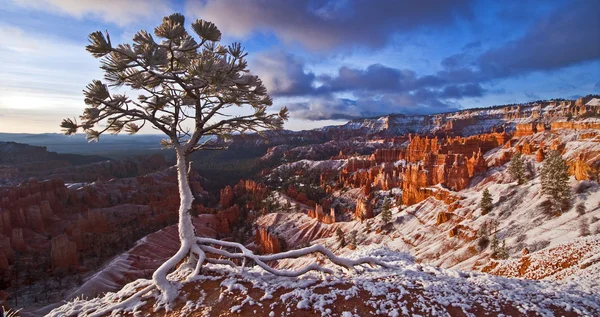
{"x": 327, "y": 61}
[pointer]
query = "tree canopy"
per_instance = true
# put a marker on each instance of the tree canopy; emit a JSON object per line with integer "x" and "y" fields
{"x": 185, "y": 86}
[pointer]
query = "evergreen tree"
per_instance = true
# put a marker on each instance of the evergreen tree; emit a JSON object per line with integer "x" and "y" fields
{"x": 486, "y": 202}
{"x": 581, "y": 209}
{"x": 368, "y": 226}
{"x": 503, "y": 251}
{"x": 484, "y": 239}
{"x": 584, "y": 227}
{"x": 555, "y": 182}
{"x": 186, "y": 85}
{"x": 494, "y": 246}
{"x": 340, "y": 237}
{"x": 516, "y": 168}
{"x": 386, "y": 212}
{"x": 352, "y": 238}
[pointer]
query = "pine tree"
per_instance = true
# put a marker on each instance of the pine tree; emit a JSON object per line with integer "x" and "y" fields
{"x": 503, "y": 251}
{"x": 368, "y": 226}
{"x": 184, "y": 83}
{"x": 516, "y": 168}
{"x": 352, "y": 238}
{"x": 581, "y": 209}
{"x": 340, "y": 237}
{"x": 386, "y": 212}
{"x": 486, "y": 202}
{"x": 584, "y": 227}
{"x": 555, "y": 182}
{"x": 484, "y": 239}
{"x": 494, "y": 246}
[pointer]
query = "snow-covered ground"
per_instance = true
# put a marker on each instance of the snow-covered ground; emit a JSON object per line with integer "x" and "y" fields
{"x": 408, "y": 288}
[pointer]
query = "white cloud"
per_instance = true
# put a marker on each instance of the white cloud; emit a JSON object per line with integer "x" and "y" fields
{"x": 120, "y": 12}
{"x": 42, "y": 79}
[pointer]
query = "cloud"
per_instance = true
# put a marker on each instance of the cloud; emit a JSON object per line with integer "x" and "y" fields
{"x": 324, "y": 24}
{"x": 371, "y": 91}
{"x": 566, "y": 37}
{"x": 375, "y": 77}
{"x": 14, "y": 39}
{"x": 562, "y": 38}
{"x": 43, "y": 76}
{"x": 462, "y": 91}
{"x": 422, "y": 101}
{"x": 283, "y": 74}
{"x": 472, "y": 45}
{"x": 326, "y": 109}
{"x": 114, "y": 11}
{"x": 532, "y": 96}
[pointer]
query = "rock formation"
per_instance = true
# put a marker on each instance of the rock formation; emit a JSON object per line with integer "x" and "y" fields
{"x": 364, "y": 210}
{"x": 267, "y": 242}
{"x": 226, "y": 197}
{"x": 63, "y": 252}
{"x": 319, "y": 215}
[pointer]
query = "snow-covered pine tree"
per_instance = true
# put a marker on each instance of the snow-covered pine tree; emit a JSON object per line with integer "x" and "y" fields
{"x": 555, "y": 182}
{"x": 581, "y": 209}
{"x": 494, "y": 246}
{"x": 339, "y": 234}
{"x": 368, "y": 226}
{"x": 352, "y": 238}
{"x": 584, "y": 227}
{"x": 486, "y": 202}
{"x": 502, "y": 251}
{"x": 516, "y": 168}
{"x": 187, "y": 87}
{"x": 386, "y": 212}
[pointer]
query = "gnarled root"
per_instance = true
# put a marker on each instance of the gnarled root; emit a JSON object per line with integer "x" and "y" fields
{"x": 205, "y": 244}
{"x": 198, "y": 250}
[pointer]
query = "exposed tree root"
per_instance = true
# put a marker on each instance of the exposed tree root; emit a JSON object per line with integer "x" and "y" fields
{"x": 197, "y": 252}
{"x": 246, "y": 254}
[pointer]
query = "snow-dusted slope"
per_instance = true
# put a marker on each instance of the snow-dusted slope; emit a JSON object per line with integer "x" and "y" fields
{"x": 519, "y": 211}
{"x": 139, "y": 262}
{"x": 407, "y": 289}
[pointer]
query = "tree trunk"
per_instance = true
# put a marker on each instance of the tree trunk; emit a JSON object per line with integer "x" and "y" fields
{"x": 187, "y": 234}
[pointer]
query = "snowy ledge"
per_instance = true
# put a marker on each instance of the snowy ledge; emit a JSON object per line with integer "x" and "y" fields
{"x": 408, "y": 289}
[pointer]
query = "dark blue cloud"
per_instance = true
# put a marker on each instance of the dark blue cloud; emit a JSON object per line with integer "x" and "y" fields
{"x": 327, "y": 24}
{"x": 375, "y": 77}
{"x": 558, "y": 35}
{"x": 566, "y": 37}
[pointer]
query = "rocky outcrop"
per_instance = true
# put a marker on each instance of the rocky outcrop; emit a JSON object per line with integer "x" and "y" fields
{"x": 364, "y": 210}
{"x": 319, "y": 215}
{"x": 7, "y": 248}
{"x": 33, "y": 217}
{"x": 17, "y": 153}
{"x": 226, "y": 218}
{"x": 540, "y": 156}
{"x": 63, "y": 252}
{"x": 580, "y": 168}
{"x": 17, "y": 240}
{"x": 525, "y": 129}
{"x": 267, "y": 242}
{"x": 443, "y": 217}
{"x": 425, "y": 162}
{"x": 574, "y": 125}
{"x": 388, "y": 155}
{"x": 8, "y": 172}
{"x": 243, "y": 188}
{"x": 5, "y": 223}
{"x": 226, "y": 197}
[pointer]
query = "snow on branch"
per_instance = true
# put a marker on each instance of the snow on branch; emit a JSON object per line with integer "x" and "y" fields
{"x": 261, "y": 259}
